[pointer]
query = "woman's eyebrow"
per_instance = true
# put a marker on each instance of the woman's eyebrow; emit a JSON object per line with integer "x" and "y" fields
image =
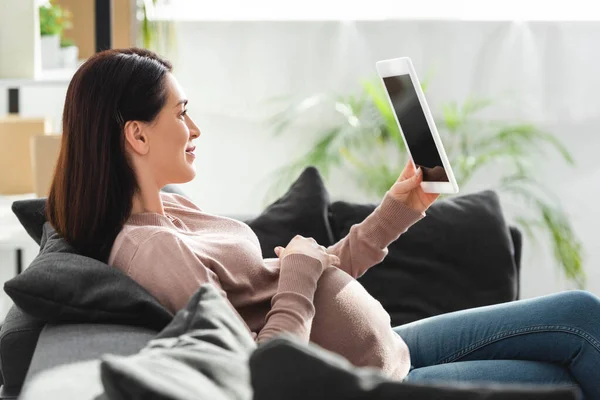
{"x": 182, "y": 101}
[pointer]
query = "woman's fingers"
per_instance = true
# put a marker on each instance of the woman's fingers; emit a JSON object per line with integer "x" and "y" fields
{"x": 408, "y": 171}
{"x": 334, "y": 260}
{"x": 405, "y": 186}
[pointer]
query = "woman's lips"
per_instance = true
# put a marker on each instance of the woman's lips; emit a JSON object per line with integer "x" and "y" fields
{"x": 190, "y": 151}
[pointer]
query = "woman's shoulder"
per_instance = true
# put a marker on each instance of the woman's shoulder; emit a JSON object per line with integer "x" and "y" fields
{"x": 132, "y": 238}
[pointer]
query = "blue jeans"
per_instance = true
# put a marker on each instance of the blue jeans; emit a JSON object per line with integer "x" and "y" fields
{"x": 551, "y": 339}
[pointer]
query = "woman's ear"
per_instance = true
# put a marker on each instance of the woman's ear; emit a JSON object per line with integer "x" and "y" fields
{"x": 136, "y": 137}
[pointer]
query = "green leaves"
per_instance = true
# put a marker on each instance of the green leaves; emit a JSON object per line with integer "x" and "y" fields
{"x": 366, "y": 142}
{"x": 542, "y": 216}
{"x": 53, "y": 19}
{"x": 146, "y": 29}
{"x": 375, "y": 95}
{"x": 149, "y": 29}
{"x": 518, "y": 138}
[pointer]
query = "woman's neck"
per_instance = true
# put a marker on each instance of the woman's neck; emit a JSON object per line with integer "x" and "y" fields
{"x": 147, "y": 199}
{"x": 144, "y": 202}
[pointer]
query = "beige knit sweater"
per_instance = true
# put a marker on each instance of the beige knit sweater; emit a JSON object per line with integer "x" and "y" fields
{"x": 171, "y": 255}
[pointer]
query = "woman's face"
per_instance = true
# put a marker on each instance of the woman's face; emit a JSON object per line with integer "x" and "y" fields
{"x": 170, "y": 151}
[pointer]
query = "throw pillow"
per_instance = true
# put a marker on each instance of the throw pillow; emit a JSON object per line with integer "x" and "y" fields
{"x": 459, "y": 256}
{"x": 32, "y": 215}
{"x": 61, "y": 285}
{"x": 202, "y": 354}
{"x": 282, "y": 368}
{"x": 303, "y": 210}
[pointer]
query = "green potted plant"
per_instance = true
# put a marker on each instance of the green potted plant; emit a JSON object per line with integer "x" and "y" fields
{"x": 53, "y": 21}
{"x": 366, "y": 142}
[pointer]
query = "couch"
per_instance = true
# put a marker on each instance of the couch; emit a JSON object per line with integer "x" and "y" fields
{"x": 462, "y": 255}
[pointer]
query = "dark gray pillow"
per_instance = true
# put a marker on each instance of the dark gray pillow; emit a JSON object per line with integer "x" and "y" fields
{"x": 460, "y": 256}
{"x": 282, "y": 368}
{"x": 32, "y": 215}
{"x": 63, "y": 286}
{"x": 202, "y": 354}
{"x": 303, "y": 210}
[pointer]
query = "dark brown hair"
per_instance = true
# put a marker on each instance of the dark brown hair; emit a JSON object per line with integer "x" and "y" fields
{"x": 94, "y": 183}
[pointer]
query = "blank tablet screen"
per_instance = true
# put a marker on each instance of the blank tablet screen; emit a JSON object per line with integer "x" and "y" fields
{"x": 415, "y": 128}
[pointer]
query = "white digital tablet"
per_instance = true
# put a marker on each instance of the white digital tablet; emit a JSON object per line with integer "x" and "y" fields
{"x": 416, "y": 124}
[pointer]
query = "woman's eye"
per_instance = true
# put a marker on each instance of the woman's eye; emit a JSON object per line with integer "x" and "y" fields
{"x": 183, "y": 113}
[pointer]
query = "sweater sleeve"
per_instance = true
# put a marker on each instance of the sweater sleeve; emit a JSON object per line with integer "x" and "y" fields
{"x": 366, "y": 243}
{"x": 168, "y": 269}
{"x": 292, "y": 309}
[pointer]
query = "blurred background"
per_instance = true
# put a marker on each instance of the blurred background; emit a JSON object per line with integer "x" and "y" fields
{"x": 276, "y": 86}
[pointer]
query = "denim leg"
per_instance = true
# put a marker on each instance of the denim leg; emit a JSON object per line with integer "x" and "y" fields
{"x": 561, "y": 329}
{"x": 506, "y": 371}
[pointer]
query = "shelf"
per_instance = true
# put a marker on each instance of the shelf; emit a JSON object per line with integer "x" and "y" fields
{"x": 50, "y": 77}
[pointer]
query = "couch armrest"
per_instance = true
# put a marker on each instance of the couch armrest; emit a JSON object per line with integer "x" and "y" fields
{"x": 18, "y": 338}
{"x": 61, "y": 344}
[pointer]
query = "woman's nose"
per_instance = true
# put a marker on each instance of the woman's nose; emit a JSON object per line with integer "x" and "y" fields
{"x": 194, "y": 130}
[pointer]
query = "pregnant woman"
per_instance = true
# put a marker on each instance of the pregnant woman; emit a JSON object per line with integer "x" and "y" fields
{"x": 127, "y": 134}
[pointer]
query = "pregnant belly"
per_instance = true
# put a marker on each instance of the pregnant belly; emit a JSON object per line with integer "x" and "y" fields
{"x": 350, "y": 322}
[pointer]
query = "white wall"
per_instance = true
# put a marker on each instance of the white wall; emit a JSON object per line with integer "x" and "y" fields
{"x": 546, "y": 71}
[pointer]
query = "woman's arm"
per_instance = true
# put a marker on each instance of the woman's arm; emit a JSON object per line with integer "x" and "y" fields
{"x": 303, "y": 261}
{"x": 366, "y": 243}
{"x": 292, "y": 308}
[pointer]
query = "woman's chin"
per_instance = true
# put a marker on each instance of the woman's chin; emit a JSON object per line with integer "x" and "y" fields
{"x": 187, "y": 176}
{"x": 191, "y": 174}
